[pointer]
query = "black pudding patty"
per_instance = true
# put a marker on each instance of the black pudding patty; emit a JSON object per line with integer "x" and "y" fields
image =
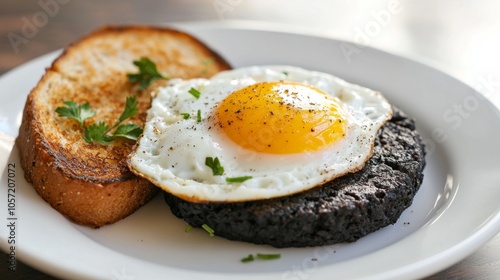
{"x": 342, "y": 210}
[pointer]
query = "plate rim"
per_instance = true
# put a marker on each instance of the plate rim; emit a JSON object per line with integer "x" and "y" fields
{"x": 447, "y": 257}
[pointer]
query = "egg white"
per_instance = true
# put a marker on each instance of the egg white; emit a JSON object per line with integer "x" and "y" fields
{"x": 172, "y": 151}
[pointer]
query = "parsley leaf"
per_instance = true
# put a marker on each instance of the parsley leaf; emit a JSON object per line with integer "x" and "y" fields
{"x": 268, "y": 256}
{"x": 198, "y": 116}
{"x": 214, "y": 164}
{"x": 76, "y": 112}
{"x": 238, "y": 179}
{"x": 208, "y": 229}
{"x": 97, "y": 133}
{"x": 261, "y": 257}
{"x": 194, "y": 92}
{"x": 129, "y": 131}
{"x": 147, "y": 73}
{"x": 186, "y": 115}
{"x": 248, "y": 259}
{"x": 130, "y": 109}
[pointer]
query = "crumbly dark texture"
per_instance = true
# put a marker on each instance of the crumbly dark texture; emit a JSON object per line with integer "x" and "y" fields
{"x": 342, "y": 210}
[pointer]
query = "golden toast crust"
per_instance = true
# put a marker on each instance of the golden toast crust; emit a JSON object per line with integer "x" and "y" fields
{"x": 90, "y": 183}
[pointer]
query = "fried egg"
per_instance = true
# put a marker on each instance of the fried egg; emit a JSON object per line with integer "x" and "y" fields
{"x": 256, "y": 133}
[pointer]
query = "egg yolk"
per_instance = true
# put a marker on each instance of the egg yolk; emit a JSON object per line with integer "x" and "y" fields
{"x": 281, "y": 118}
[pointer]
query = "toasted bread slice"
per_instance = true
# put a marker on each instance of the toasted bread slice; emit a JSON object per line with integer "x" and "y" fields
{"x": 91, "y": 183}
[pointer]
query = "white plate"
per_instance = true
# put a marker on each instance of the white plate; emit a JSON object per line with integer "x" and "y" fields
{"x": 456, "y": 210}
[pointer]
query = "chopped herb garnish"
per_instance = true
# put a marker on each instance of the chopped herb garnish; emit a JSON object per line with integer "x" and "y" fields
{"x": 198, "y": 116}
{"x": 208, "y": 229}
{"x": 76, "y": 112}
{"x": 188, "y": 228}
{"x": 186, "y": 115}
{"x": 130, "y": 109}
{"x": 265, "y": 257}
{"x": 194, "y": 92}
{"x": 248, "y": 259}
{"x": 285, "y": 73}
{"x": 147, "y": 73}
{"x": 129, "y": 131}
{"x": 214, "y": 164}
{"x": 268, "y": 256}
{"x": 238, "y": 179}
{"x": 98, "y": 133}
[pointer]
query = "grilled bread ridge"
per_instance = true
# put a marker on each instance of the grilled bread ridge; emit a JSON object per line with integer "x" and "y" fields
{"x": 90, "y": 183}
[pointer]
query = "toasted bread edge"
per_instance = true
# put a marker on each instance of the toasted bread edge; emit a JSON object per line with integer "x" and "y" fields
{"x": 91, "y": 203}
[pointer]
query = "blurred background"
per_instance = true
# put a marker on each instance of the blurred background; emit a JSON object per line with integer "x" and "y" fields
{"x": 460, "y": 37}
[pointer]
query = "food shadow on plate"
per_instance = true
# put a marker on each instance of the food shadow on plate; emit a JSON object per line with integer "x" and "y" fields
{"x": 155, "y": 235}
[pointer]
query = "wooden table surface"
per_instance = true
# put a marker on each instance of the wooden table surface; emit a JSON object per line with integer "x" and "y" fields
{"x": 462, "y": 37}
